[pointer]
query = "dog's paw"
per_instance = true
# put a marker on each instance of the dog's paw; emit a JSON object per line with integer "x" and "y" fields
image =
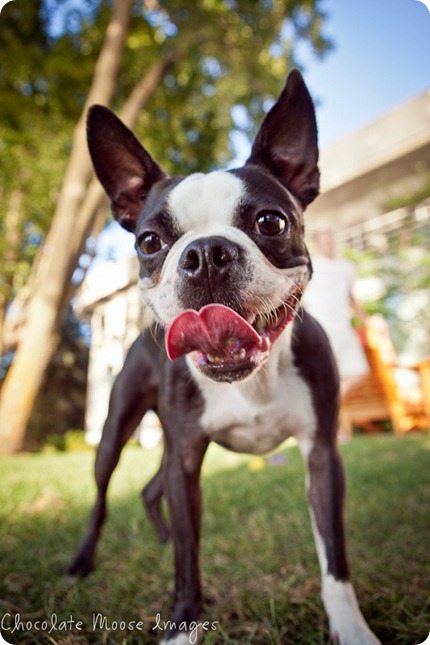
{"x": 81, "y": 566}
{"x": 354, "y": 634}
{"x": 347, "y": 623}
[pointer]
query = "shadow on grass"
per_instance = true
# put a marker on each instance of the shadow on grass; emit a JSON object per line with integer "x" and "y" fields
{"x": 259, "y": 569}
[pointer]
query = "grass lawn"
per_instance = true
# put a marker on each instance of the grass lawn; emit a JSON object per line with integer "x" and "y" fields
{"x": 259, "y": 568}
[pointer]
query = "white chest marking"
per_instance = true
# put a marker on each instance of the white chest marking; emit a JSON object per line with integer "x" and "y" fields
{"x": 257, "y": 415}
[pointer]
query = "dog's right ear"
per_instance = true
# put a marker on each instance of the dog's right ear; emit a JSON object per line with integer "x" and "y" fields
{"x": 125, "y": 169}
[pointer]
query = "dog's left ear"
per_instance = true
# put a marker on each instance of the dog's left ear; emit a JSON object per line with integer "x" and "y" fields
{"x": 287, "y": 143}
{"x": 125, "y": 169}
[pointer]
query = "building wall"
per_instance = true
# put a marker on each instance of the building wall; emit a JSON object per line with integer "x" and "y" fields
{"x": 114, "y": 327}
{"x": 363, "y": 173}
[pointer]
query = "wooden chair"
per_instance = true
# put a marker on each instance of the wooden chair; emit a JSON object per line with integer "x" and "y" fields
{"x": 380, "y": 398}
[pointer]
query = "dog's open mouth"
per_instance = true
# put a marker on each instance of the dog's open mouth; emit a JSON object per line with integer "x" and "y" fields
{"x": 224, "y": 345}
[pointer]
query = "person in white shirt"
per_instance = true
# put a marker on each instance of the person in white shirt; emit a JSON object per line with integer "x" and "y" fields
{"x": 328, "y": 298}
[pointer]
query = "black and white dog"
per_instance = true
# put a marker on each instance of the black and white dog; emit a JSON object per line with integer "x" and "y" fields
{"x": 232, "y": 357}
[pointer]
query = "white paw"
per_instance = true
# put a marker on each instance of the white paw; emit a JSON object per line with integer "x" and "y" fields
{"x": 347, "y": 623}
{"x": 353, "y": 634}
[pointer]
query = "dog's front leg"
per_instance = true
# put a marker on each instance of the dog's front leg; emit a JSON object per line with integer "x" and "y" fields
{"x": 183, "y": 493}
{"x": 134, "y": 392}
{"x": 326, "y": 488}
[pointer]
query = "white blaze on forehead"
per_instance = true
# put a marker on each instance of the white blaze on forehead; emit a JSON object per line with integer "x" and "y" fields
{"x": 200, "y": 201}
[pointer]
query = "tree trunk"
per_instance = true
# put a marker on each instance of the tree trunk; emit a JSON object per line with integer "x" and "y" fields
{"x": 90, "y": 220}
{"x": 39, "y": 336}
{"x": 13, "y": 224}
{"x": 92, "y": 212}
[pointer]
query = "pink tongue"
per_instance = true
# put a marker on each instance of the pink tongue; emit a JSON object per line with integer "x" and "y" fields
{"x": 215, "y": 329}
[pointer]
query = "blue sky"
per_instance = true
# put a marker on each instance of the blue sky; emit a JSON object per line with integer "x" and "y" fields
{"x": 381, "y": 58}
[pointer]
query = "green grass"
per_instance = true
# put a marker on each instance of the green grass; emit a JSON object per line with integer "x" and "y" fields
{"x": 259, "y": 569}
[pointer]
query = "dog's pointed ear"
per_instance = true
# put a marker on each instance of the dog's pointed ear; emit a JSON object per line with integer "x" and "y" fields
{"x": 287, "y": 142}
{"x": 125, "y": 169}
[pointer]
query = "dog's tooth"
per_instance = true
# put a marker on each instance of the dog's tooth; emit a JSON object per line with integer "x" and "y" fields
{"x": 215, "y": 359}
{"x": 260, "y": 324}
{"x": 242, "y": 354}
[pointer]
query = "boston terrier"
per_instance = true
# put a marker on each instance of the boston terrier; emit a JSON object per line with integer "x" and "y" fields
{"x": 232, "y": 357}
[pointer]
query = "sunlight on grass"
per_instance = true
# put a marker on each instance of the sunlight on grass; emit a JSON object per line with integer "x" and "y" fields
{"x": 259, "y": 568}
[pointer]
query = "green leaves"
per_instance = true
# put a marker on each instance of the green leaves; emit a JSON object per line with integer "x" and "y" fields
{"x": 229, "y": 52}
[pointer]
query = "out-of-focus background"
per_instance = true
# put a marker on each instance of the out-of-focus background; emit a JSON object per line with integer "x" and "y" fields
{"x": 193, "y": 79}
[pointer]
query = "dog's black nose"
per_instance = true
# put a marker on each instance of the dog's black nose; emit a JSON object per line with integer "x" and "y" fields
{"x": 209, "y": 257}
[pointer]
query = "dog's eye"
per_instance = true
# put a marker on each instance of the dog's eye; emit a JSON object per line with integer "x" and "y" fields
{"x": 270, "y": 223}
{"x": 149, "y": 243}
